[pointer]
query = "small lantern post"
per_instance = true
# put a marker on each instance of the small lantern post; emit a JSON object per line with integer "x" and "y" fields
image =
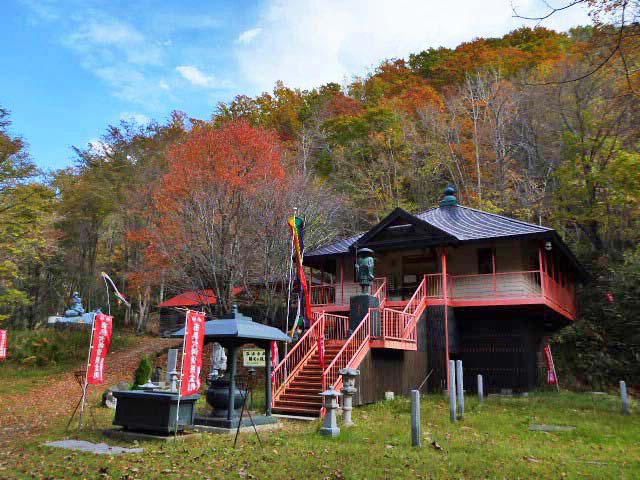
{"x": 348, "y": 391}
{"x": 330, "y": 403}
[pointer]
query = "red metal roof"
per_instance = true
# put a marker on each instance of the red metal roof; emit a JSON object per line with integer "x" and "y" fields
{"x": 194, "y": 298}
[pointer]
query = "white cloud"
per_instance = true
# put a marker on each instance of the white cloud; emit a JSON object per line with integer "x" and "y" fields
{"x": 98, "y": 147}
{"x": 139, "y": 118}
{"x": 41, "y": 10}
{"x": 248, "y": 35}
{"x": 197, "y": 77}
{"x": 107, "y": 39}
{"x": 164, "y": 85}
{"x": 307, "y": 43}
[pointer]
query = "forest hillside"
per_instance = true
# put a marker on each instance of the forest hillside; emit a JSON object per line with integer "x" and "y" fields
{"x": 538, "y": 125}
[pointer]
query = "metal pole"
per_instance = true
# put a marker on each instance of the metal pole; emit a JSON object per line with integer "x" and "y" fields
{"x": 460, "y": 387}
{"x": 184, "y": 341}
{"x": 232, "y": 383}
{"x": 480, "y": 389}
{"x": 267, "y": 380}
{"x": 286, "y": 346}
{"x": 86, "y": 374}
{"x": 625, "y": 398}
{"x": 452, "y": 391}
{"x": 416, "y": 441}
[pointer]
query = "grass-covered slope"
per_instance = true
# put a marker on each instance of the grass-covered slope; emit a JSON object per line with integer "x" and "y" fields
{"x": 493, "y": 441}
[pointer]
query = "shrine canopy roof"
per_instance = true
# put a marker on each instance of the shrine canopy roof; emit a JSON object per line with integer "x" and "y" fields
{"x": 448, "y": 224}
{"x": 238, "y": 327}
{"x": 195, "y": 298}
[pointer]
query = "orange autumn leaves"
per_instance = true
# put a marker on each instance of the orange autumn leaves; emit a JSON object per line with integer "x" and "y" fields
{"x": 236, "y": 157}
{"x": 214, "y": 176}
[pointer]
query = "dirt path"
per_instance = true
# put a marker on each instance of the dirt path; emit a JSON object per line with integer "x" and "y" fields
{"x": 23, "y": 415}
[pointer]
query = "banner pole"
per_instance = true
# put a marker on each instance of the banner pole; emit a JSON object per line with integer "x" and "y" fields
{"x": 286, "y": 344}
{"x": 184, "y": 341}
{"x": 86, "y": 373}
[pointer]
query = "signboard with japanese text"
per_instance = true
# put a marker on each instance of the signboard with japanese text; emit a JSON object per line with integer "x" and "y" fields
{"x": 552, "y": 378}
{"x": 192, "y": 354}
{"x": 102, "y": 331}
{"x": 253, "y": 357}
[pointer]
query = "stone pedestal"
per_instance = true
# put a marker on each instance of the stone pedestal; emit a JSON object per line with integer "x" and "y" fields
{"x": 348, "y": 391}
{"x": 154, "y": 411}
{"x": 359, "y": 306}
{"x": 330, "y": 402}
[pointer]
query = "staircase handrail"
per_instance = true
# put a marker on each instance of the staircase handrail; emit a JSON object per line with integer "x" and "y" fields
{"x": 381, "y": 292}
{"x": 417, "y": 296}
{"x": 296, "y": 357}
{"x": 362, "y": 333}
{"x": 417, "y": 299}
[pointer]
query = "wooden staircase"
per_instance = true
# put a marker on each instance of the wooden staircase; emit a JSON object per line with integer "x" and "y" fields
{"x": 299, "y": 378}
{"x": 301, "y": 396}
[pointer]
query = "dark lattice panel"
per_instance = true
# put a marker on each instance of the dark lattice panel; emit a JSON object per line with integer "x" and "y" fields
{"x": 501, "y": 348}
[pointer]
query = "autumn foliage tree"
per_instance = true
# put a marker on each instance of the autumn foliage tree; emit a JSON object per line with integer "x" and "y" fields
{"x": 206, "y": 206}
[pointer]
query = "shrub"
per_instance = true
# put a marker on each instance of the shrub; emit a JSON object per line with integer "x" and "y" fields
{"x": 143, "y": 372}
{"x": 51, "y": 347}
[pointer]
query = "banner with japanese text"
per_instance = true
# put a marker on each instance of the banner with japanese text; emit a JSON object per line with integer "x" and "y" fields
{"x": 102, "y": 331}
{"x": 3, "y": 344}
{"x": 552, "y": 379}
{"x": 192, "y": 354}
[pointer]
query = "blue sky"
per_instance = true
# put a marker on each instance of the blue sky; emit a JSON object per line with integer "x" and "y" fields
{"x": 72, "y": 67}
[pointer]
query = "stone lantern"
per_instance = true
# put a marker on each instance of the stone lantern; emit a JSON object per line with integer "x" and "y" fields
{"x": 330, "y": 403}
{"x": 348, "y": 391}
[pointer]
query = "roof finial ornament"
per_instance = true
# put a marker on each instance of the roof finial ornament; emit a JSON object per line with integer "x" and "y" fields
{"x": 449, "y": 199}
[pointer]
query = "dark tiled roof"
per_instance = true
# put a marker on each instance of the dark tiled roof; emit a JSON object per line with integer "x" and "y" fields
{"x": 335, "y": 248}
{"x": 466, "y": 223}
{"x": 462, "y": 223}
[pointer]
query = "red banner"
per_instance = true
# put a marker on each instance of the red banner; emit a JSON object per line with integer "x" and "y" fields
{"x": 102, "y": 331}
{"x": 552, "y": 379}
{"x": 192, "y": 355}
{"x": 3, "y": 344}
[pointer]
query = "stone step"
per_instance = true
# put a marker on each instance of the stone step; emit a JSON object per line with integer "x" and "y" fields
{"x": 297, "y": 403}
{"x": 305, "y": 397}
{"x": 302, "y": 391}
{"x": 309, "y": 412}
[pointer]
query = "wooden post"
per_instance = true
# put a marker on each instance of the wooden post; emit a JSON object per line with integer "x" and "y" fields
{"x": 542, "y": 269}
{"x": 624, "y": 397}
{"x": 452, "y": 391}
{"x": 267, "y": 380}
{"x": 341, "y": 281}
{"x": 416, "y": 441}
{"x": 493, "y": 264}
{"x": 445, "y": 294}
{"x": 460, "y": 387}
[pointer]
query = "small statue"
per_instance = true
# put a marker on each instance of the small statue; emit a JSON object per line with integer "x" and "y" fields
{"x": 364, "y": 269}
{"x": 76, "y": 310}
{"x": 218, "y": 361}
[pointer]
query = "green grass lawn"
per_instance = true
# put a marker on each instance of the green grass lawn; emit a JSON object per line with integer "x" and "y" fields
{"x": 493, "y": 441}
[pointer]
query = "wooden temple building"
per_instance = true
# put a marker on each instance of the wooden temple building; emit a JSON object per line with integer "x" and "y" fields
{"x": 452, "y": 283}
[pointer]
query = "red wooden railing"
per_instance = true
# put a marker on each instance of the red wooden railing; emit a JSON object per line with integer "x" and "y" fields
{"x": 393, "y": 324}
{"x": 336, "y": 327}
{"x": 380, "y": 290}
{"x": 433, "y": 286}
{"x": 296, "y": 357}
{"x": 357, "y": 342}
{"x": 562, "y": 296}
{"x": 333, "y": 327}
{"x": 495, "y": 285}
{"x": 341, "y": 293}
